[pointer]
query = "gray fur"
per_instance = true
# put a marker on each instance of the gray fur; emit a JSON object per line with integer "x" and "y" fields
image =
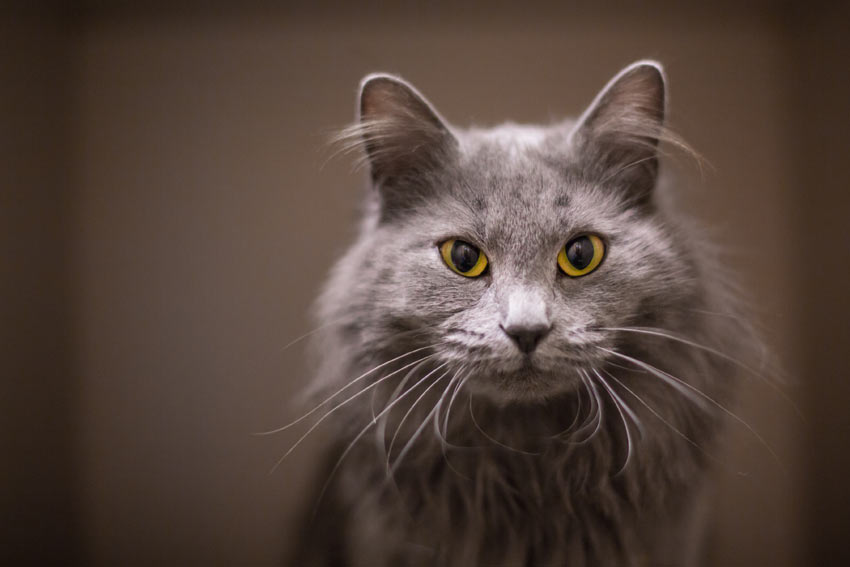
{"x": 556, "y": 462}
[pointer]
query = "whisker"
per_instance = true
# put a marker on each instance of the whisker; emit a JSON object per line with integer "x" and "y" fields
{"x": 683, "y": 340}
{"x": 601, "y": 408}
{"x": 661, "y": 333}
{"x": 454, "y": 381}
{"x": 416, "y": 433}
{"x": 311, "y": 333}
{"x": 714, "y": 403}
{"x": 380, "y": 430}
{"x": 663, "y": 420}
{"x": 341, "y": 404}
{"x": 617, "y": 404}
{"x": 341, "y": 390}
{"x": 362, "y": 432}
{"x": 630, "y": 369}
{"x": 397, "y": 389}
{"x": 591, "y": 411}
{"x": 442, "y": 435}
{"x": 665, "y": 377}
{"x": 594, "y": 392}
{"x": 634, "y": 417}
{"x": 731, "y": 316}
{"x": 451, "y": 403}
{"x": 575, "y": 419}
{"x": 412, "y": 407}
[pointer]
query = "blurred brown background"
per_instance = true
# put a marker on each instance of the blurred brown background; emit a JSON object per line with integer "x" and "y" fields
{"x": 168, "y": 209}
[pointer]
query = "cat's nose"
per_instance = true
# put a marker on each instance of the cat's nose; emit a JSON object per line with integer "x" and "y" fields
{"x": 525, "y": 316}
{"x": 527, "y": 337}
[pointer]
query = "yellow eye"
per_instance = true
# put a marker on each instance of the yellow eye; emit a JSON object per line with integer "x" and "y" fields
{"x": 463, "y": 258}
{"x": 581, "y": 255}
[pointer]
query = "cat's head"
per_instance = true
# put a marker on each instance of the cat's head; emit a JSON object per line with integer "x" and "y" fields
{"x": 512, "y": 252}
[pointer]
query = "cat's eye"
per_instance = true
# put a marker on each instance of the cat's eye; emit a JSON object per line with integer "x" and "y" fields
{"x": 581, "y": 255}
{"x": 463, "y": 257}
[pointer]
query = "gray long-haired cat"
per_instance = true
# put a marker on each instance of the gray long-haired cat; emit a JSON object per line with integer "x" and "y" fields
{"x": 525, "y": 357}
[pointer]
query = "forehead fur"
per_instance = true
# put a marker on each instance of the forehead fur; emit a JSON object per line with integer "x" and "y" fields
{"x": 514, "y": 181}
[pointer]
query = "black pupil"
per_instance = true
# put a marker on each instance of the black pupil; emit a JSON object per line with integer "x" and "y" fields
{"x": 580, "y": 252}
{"x": 464, "y": 255}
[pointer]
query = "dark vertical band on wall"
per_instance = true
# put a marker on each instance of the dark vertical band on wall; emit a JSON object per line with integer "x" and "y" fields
{"x": 819, "y": 125}
{"x": 37, "y": 402}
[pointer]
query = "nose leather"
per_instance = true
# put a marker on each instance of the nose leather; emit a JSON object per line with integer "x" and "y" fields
{"x": 526, "y": 320}
{"x": 527, "y": 337}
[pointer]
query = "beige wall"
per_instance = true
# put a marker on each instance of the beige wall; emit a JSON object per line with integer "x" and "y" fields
{"x": 205, "y": 213}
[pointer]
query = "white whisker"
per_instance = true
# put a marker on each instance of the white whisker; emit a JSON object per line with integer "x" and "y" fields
{"x": 454, "y": 381}
{"x": 662, "y": 419}
{"x": 600, "y": 415}
{"x": 341, "y": 390}
{"x": 380, "y": 430}
{"x": 665, "y": 377}
{"x": 451, "y": 403}
{"x": 664, "y": 334}
{"x": 416, "y": 433}
{"x": 618, "y": 403}
{"x": 311, "y": 333}
{"x": 441, "y": 436}
{"x": 710, "y": 400}
{"x": 591, "y": 411}
{"x": 635, "y": 419}
{"x": 412, "y": 407}
{"x": 362, "y": 432}
{"x": 341, "y": 404}
{"x": 575, "y": 419}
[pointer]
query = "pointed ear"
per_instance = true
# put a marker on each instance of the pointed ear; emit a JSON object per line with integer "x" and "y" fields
{"x": 617, "y": 136}
{"x": 403, "y": 135}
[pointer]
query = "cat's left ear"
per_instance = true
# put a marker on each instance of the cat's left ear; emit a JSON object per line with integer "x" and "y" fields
{"x": 616, "y": 139}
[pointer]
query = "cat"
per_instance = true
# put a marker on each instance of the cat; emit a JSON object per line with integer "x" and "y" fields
{"x": 525, "y": 355}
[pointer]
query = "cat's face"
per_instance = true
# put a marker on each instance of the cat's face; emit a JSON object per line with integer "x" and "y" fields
{"x": 522, "y": 327}
{"x": 520, "y": 215}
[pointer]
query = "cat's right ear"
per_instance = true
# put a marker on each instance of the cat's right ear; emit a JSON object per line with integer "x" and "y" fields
{"x": 403, "y": 136}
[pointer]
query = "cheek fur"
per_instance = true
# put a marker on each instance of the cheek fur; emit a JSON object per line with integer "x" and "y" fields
{"x": 430, "y": 291}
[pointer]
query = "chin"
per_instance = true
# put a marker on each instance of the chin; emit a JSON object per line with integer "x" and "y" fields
{"x": 526, "y": 383}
